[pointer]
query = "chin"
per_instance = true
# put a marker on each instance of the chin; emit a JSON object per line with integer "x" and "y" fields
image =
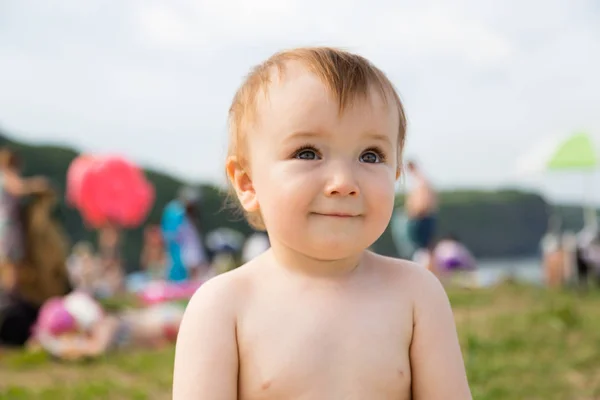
{"x": 330, "y": 250}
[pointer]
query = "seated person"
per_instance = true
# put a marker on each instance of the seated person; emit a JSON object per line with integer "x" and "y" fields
{"x": 449, "y": 257}
{"x": 76, "y": 327}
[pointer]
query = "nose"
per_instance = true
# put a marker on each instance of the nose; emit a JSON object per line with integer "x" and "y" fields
{"x": 342, "y": 182}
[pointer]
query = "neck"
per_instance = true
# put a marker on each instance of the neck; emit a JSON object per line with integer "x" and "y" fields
{"x": 303, "y": 264}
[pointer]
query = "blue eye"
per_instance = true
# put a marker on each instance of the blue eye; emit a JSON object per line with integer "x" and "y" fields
{"x": 306, "y": 154}
{"x": 371, "y": 157}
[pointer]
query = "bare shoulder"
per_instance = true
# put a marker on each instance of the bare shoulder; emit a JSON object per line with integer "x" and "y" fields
{"x": 435, "y": 354}
{"x": 226, "y": 290}
{"x": 413, "y": 282}
{"x": 406, "y": 273}
{"x": 202, "y": 371}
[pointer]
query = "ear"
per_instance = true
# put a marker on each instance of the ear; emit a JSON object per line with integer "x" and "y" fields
{"x": 242, "y": 184}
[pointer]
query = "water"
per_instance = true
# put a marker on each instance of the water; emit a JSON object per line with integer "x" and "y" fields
{"x": 522, "y": 270}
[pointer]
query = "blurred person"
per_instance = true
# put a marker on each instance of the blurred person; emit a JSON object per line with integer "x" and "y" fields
{"x": 12, "y": 187}
{"x": 587, "y": 256}
{"x": 552, "y": 252}
{"x": 421, "y": 209}
{"x": 154, "y": 258}
{"x": 554, "y": 266}
{"x": 316, "y": 141}
{"x": 193, "y": 250}
{"x": 559, "y": 254}
{"x": 225, "y": 245}
{"x": 76, "y": 327}
{"x": 173, "y": 217}
{"x": 83, "y": 267}
{"x": 183, "y": 239}
{"x": 452, "y": 262}
{"x": 450, "y": 253}
{"x": 225, "y": 240}
{"x": 112, "y": 277}
{"x": 569, "y": 250}
{"x": 16, "y": 319}
{"x": 193, "y": 253}
{"x": 404, "y": 246}
{"x": 43, "y": 271}
{"x": 27, "y": 276}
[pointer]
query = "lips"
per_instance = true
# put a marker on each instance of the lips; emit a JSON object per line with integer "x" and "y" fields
{"x": 337, "y": 215}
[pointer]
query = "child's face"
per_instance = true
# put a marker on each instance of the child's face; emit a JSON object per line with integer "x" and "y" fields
{"x": 324, "y": 181}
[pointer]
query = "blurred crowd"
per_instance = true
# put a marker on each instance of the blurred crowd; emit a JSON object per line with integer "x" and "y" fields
{"x": 52, "y": 293}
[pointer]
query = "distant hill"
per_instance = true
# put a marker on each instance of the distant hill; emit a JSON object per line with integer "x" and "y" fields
{"x": 494, "y": 224}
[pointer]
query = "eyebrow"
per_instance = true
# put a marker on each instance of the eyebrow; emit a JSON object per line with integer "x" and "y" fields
{"x": 379, "y": 137}
{"x": 309, "y": 134}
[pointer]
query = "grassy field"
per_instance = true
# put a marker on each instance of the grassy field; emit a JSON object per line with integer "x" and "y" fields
{"x": 519, "y": 343}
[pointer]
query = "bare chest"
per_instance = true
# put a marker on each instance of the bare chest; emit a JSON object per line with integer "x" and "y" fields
{"x": 337, "y": 349}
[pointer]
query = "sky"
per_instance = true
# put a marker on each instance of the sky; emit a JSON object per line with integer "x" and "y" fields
{"x": 482, "y": 81}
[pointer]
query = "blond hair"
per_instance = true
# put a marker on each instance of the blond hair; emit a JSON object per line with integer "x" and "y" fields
{"x": 347, "y": 76}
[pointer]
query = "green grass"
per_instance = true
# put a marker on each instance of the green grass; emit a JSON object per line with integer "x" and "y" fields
{"x": 518, "y": 342}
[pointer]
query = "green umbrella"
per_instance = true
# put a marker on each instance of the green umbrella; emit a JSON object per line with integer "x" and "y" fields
{"x": 576, "y": 152}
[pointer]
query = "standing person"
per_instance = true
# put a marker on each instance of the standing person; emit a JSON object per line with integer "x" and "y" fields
{"x": 183, "y": 239}
{"x": 112, "y": 280}
{"x": 316, "y": 140}
{"x": 192, "y": 242}
{"x": 13, "y": 187}
{"x": 587, "y": 256}
{"x": 17, "y": 312}
{"x": 153, "y": 258}
{"x": 558, "y": 254}
{"x": 421, "y": 209}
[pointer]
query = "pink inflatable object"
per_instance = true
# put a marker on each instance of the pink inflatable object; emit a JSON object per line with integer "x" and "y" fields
{"x": 164, "y": 291}
{"x": 77, "y": 170}
{"x": 115, "y": 191}
{"x": 54, "y": 318}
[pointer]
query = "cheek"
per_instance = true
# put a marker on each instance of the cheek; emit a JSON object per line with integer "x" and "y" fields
{"x": 283, "y": 194}
{"x": 379, "y": 193}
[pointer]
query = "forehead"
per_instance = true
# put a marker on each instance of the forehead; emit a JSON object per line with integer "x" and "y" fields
{"x": 297, "y": 99}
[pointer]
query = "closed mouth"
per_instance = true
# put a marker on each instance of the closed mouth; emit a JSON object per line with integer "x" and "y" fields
{"x": 337, "y": 215}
